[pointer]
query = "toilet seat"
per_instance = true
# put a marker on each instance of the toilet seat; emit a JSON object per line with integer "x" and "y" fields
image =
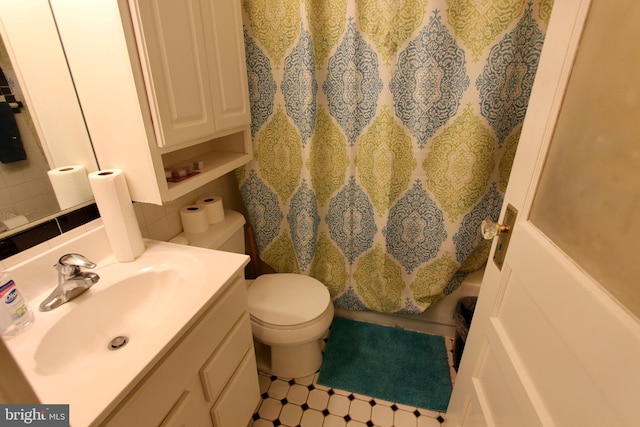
{"x": 292, "y": 328}
{"x": 287, "y": 299}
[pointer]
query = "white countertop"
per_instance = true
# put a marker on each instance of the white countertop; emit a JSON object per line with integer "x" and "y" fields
{"x": 92, "y": 384}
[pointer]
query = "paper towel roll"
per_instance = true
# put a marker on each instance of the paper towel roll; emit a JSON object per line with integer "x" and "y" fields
{"x": 114, "y": 203}
{"x": 214, "y": 208}
{"x": 71, "y": 185}
{"x": 194, "y": 219}
{"x": 13, "y": 222}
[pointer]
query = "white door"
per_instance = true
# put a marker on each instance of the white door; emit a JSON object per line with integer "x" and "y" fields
{"x": 555, "y": 338}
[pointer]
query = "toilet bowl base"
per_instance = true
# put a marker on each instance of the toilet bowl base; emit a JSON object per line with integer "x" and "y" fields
{"x": 292, "y": 361}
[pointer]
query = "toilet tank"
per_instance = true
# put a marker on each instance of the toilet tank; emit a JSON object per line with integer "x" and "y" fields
{"x": 227, "y": 235}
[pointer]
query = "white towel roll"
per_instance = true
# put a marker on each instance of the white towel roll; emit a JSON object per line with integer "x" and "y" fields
{"x": 214, "y": 208}
{"x": 194, "y": 219}
{"x": 70, "y": 185}
{"x": 116, "y": 209}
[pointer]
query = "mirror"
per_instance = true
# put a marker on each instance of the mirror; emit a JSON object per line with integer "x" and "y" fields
{"x": 46, "y": 115}
{"x": 26, "y": 194}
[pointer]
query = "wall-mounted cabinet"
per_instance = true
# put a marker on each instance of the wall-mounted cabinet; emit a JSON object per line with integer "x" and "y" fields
{"x": 162, "y": 84}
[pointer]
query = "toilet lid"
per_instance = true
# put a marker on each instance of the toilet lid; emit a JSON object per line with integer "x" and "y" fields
{"x": 287, "y": 299}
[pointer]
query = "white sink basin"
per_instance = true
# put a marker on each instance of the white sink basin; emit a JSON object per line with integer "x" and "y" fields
{"x": 152, "y": 301}
{"x": 131, "y": 307}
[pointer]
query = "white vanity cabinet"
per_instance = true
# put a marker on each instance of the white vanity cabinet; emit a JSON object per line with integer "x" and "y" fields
{"x": 162, "y": 84}
{"x": 208, "y": 378}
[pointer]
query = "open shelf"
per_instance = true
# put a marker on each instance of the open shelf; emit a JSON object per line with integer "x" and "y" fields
{"x": 219, "y": 156}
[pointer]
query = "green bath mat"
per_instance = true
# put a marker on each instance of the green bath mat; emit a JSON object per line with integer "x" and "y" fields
{"x": 388, "y": 363}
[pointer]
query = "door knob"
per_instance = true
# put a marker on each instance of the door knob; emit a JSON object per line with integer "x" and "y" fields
{"x": 490, "y": 229}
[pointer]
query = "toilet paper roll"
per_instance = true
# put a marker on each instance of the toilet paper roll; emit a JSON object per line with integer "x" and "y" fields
{"x": 13, "y": 222}
{"x": 70, "y": 185}
{"x": 120, "y": 223}
{"x": 194, "y": 219}
{"x": 214, "y": 208}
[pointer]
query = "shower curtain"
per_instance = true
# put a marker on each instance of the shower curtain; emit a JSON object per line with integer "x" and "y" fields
{"x": 384, "y": 133}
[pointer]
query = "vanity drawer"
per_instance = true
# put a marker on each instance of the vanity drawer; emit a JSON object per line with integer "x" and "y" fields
{"x": 220, "y": 367}
{"x": 159, "y": 391}
{"x": 238, "y": 401}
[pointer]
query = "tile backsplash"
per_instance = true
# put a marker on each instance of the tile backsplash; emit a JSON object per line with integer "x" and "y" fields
{"x": 156, "y": 222}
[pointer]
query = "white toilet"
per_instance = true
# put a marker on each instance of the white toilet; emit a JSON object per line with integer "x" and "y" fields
{"x": 290, "y": 313}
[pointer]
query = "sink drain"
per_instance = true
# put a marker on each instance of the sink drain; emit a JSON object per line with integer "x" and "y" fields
{"x": 118, "y": 342}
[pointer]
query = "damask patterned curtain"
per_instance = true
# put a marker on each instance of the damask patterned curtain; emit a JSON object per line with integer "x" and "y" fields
{"x": 384, "y": 133}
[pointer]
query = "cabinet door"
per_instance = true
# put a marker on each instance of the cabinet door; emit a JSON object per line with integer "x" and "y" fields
{"x": 226, "y": 55}
{"x": 171, "y": 40}
{"x": 188, "y": 410}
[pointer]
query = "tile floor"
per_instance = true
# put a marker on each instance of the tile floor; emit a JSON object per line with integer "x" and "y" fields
{"x": 302, "y": 402}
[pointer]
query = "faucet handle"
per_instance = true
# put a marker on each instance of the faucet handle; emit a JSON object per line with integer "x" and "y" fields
{"x": 76, "y": 260}
{"x": 70, "y": 264}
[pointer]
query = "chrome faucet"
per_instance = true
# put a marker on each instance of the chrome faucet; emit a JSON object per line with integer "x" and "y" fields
{"x": 72, "y": 281}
